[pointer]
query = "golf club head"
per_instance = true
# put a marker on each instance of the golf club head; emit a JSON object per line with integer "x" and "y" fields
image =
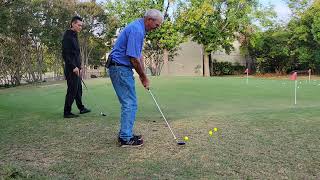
{"x": 103, "y": 114}
{"x": 181, "y": 143}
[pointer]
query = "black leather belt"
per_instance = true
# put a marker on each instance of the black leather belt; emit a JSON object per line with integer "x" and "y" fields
{"x": 117, "y": 64}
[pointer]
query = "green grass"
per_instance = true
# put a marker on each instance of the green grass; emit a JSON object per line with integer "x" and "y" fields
{"x": 262, "y": 134}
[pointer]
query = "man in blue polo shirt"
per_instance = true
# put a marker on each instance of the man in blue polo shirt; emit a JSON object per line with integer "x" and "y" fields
{"x": 125, "y": 55}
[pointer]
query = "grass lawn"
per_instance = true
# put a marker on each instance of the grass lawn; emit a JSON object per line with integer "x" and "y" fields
{"x": 261, "y": 133}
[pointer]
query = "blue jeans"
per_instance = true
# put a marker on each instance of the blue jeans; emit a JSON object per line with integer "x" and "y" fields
{"x": 123, "y": 83}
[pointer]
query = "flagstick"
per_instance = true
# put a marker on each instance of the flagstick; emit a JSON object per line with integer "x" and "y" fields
{"x": 247, "y": 76}
{"x": 309, "y": 75}
{"x": 295, "y": 91}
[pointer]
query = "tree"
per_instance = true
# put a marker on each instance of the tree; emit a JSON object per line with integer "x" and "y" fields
{"x": 31, "y": 33}
{"x": 292, "y": 46}
{"x": 298, "y": 7}
{"x": 4, "y": 3}
{"x": 214, "y": 24}
{"x": 55, "y": 18}
{"x": 15, "y": 35}
{"x": 161, "y": 45}
{"x": 263, "y": 18}
{"x": 92, "y": 36}
{"x": 304, "y": 41}
{"x": 271, "y": 50}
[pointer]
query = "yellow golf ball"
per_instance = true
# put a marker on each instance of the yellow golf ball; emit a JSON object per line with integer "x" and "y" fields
{"x": 186, "y": 138}
{"x": 210, "y": 133}
{"x": 215, "y": 129}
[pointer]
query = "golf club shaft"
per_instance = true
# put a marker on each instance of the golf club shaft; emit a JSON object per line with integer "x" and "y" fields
{"x": 162, "y": 114}
{"x": 88, "y": 91}
{"x": 84, "y": 84}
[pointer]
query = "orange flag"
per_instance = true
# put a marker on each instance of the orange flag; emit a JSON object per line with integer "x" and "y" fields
{"x": 293, "y": 76}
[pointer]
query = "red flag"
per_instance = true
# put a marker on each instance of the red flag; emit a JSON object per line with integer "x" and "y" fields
{"x": 293, "y": 76}
{"x": 247, "y": 71}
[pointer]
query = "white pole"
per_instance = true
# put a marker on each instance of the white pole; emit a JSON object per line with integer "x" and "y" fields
{"x": 295, "y": 91}
{"x": 309, "y": 75}
{"x": 247, "y": 76}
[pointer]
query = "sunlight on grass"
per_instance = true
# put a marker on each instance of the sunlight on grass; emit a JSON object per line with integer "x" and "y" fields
{"x": 261, "y": 134}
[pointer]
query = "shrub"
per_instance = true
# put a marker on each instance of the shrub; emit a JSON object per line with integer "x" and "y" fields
{"x": 226, "y": 68}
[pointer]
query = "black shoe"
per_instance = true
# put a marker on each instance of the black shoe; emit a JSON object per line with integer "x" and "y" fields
{"x": 70, "y": 115}
{"x": 138, "y": 137}
{"x": 84, "y": 110}
{"x": 133, "y": 142}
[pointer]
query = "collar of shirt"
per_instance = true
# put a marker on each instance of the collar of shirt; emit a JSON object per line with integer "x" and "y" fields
{"x": 72, "y": 32}
{"x": 141, "y": 20}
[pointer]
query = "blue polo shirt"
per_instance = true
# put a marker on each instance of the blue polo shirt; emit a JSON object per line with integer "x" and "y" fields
{"x": 129, "y": 43}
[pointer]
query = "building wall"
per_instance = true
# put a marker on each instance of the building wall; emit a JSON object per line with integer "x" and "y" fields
{"x": 189, "y": 59}
{"x": 233, "y": 57}
{"x": 188, "y": 62}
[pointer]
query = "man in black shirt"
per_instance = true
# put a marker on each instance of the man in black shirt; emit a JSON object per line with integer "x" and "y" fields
{"x": 72, "y": 68}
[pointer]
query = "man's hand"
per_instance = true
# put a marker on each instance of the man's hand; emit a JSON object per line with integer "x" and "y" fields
{"x": 139, "y": 69}
{"x": 145, "y": 82}
{"x": 76, "y": 70}
{"x": 81, "y": 73}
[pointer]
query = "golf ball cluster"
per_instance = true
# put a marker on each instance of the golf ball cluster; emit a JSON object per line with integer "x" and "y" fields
{"x": 214, "y": 130}
{"x": 186, "y": 138}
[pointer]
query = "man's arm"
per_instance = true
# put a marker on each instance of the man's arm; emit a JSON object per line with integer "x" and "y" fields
{"x": 138, "y": 66}
{"x": 69, "y": 55}
{"x": 142, "y": 63}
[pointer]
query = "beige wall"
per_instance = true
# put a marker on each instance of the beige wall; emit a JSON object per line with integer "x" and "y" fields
{"x": 190, "y": 57}
{"x": 233, "y": 57}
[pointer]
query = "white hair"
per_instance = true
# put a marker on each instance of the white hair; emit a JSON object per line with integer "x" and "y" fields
{"x": 154, "y": 14}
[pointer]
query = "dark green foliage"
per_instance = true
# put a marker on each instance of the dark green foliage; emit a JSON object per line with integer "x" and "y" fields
{"x": 294, "y": 46}
{"x": 31, "y": 34}
{"x": 226, "y": 68}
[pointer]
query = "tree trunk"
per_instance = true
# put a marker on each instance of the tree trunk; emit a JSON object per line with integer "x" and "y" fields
{"x": 82, "y": 52}
{"x": 165, "y": 68}
{"x": 205, "y": 63}
{"x": 58, "y": 66}
{"x": 210, "y": 65}
{"x": 85, "y": 58}
{"x": 153, "y": 67}
{"x": 40, "y": 62}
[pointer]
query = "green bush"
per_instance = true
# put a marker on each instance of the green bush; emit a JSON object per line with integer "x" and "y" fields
{"x": 238, "y": 69}
{"x": 226, "y": 68}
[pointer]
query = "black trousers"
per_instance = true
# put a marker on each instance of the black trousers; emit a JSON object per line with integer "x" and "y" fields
{"x": 74, "y": 92}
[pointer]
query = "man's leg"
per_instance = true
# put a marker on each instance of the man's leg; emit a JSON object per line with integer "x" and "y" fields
{"x": 71, "y": 92}
{"x": 124, "y": 85}
{"x": 78, "y": 97}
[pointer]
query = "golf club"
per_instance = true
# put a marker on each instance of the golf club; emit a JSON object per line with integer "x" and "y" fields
{"x": 101, "y": 113}
{"x": 174, "y": 136}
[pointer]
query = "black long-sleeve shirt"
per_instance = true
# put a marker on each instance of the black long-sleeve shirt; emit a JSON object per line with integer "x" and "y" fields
{"x": 71, "y": 50}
